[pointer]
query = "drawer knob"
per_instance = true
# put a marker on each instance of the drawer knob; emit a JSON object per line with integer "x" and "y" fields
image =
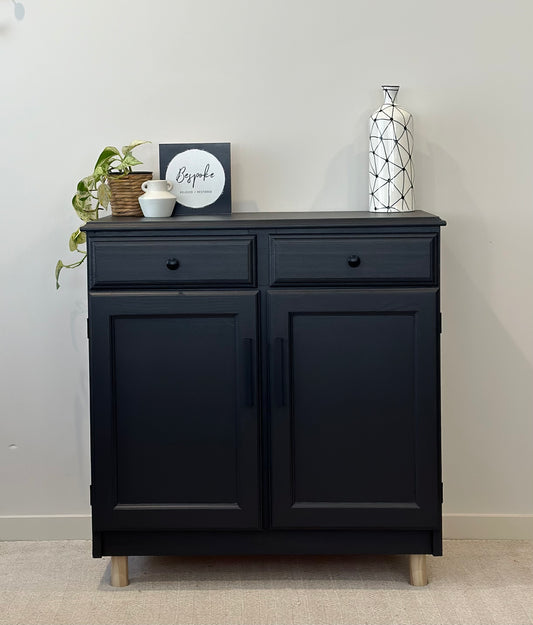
{"x": 173, "y": 263}
{"x": 354, "y": 260}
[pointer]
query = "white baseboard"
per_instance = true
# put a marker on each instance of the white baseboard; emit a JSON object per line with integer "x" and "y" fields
{"x": 46, "y": 527}
{"x": 488, "y": 526}
{"x": 78, "y": 526}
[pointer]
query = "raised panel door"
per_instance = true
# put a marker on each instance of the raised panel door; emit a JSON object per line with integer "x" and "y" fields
{"x": 354, "y": 408}
{"x": 174, "y": 410}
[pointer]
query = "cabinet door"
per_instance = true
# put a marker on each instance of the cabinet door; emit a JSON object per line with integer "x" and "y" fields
{"x": 354, "y": 408}
{"x": 174, "y": 410}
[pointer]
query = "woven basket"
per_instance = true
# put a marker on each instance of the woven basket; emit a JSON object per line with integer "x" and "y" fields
{"x": 125, "y": 192}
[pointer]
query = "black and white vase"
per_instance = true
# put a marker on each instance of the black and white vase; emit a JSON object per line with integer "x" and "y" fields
{"x": 391, "y": 152}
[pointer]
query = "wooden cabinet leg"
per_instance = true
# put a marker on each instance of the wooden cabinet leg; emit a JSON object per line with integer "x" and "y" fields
{"x": 418, "y": 575}
{"x": 119, "y": 571}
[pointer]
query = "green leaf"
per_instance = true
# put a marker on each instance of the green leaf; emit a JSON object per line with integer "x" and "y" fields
{"x": 78, "y": 202}
{"x": 131, "y": 161}
{"x": 76, "y": 239}
{"x": 108, "y": 154}
{"x": 89, "y": 215}
{"x": 82, "y": 201}
{"x": 90, "y": 182}
{"x": 80, "y": 239}
{"x": 128, "y": 148}
{"x": 104, "y": 195}
{"x": 84, "y": 208}
{"x": 72, "y": 241}
{"x": 100, "y": 172}
{"x": 83, "y": 197}
{"x": 83, "y": 187}
{"x": 59, "y": 266}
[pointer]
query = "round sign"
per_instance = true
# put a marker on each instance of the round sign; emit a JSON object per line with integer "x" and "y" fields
{"x": 197, "y": 177}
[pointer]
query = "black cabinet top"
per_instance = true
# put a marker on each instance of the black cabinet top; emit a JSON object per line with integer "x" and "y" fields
{"x": 267, "y": 220}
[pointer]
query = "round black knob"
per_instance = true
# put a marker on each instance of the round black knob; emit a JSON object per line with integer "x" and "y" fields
{"x": 173, "y": 263}
{"x": 354, "y": 260}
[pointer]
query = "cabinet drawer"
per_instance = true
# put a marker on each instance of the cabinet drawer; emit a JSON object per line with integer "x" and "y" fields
{"x": 342, "y": 259}
{"x": 177, "y": 261}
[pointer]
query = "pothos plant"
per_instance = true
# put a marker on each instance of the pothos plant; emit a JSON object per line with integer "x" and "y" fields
{"x": 93, "y": 195}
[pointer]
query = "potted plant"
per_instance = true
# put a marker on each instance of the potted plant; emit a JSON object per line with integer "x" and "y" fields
{"x": 111, "y": 184}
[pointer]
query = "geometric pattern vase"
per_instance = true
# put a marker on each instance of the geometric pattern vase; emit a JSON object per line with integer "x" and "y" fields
{"x": 391, "y": 152}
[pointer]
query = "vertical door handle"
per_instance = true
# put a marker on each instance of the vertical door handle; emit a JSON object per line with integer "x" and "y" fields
{"x": 249, "y": 373}
{"x": 279, "y": 369}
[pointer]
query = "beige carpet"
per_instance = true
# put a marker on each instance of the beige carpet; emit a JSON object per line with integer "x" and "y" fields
{"x": 475, "y": 582}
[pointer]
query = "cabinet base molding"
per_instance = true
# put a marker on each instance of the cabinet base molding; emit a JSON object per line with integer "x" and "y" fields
{"x": 418, "y": 575}
{"x": 119, "y": 571}
{"x": 267, "y": 542}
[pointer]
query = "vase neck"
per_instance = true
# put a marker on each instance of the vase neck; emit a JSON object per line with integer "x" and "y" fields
{"x": 390, "y": 92}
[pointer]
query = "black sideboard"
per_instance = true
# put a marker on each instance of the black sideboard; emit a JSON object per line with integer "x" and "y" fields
{"x": 265, "y": 383}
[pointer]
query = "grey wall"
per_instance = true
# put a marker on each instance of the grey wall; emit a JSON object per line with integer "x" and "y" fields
{"x": 291, "y": 84}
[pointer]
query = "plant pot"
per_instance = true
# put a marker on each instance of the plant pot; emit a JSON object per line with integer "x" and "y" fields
{"x": 125, "y": 192}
